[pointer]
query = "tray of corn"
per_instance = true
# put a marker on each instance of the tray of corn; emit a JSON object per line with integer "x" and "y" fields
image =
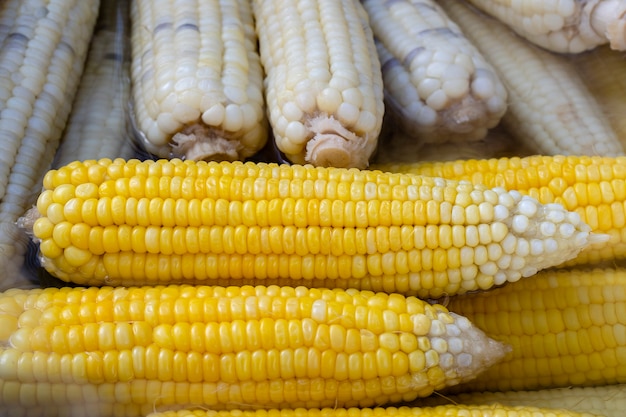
{"x": 297, "y": 208}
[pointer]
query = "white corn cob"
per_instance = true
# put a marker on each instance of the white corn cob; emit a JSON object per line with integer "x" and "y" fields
{"x": 604, "y": 72}
{"x": 42, "y": 54}
{"x": 563, "y": 26}
{"x": 197, "y": 81}
{"x": 604, "y": 400}
{"x": 436, "y": 82}
{"x": 97, "y": 127}
{"x": 324, "y": 86}
{"x": 550, "y": 111}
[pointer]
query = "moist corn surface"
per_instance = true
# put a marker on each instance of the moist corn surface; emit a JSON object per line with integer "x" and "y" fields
{"x": 131, "y": 223}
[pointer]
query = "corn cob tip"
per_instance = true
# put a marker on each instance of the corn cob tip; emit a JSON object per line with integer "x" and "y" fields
{"x": 335, "y": 146}
{"x": 204, "y": 143}
{"x": 608, "y": 18}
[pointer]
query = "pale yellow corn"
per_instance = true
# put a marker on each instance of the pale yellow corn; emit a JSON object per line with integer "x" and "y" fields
{"x": 605, "y": 400}
{"x": 170, "y": 221}
{"x": 97, "y": 127}
{"x": 399, "y": 411}
{"x": 570, "y": 26}
{"x": 593, "y": 187}
{"x": 323, "y": 84}
{"x": 437, "y": 84}
{"x": 197, "y": 81}
{"x": 124, "y": 352}
{"x": 551, "y": 111}
{"x": 565, "y": 326}
{"x": 43, "y": 45}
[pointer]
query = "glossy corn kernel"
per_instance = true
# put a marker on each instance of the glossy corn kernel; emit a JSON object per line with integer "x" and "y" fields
{"x": 131, "y": 222}
{"x": 147, "y": 348}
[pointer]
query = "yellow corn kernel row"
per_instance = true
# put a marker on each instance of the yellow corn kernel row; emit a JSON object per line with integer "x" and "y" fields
{"x": 400, "y": 411}
{"x": 171, "y": 221}
{"x": 605, "y": 400}
{"x": 197, "y": 80}
{"x": 566, "y": 328}
{"x": 145, "y": 348}
{"x": 593, "y": 187}
{"x": 323, "y": 83}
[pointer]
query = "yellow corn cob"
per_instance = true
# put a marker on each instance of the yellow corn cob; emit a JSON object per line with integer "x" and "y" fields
{"x": 605, "y": 400}
{"x": 97, "y": 127}
{"x": 197, "y": 81}
{"x": 566, "y": 327}
{"x": 593, "y": 187}
{"x": 400, "y": 411}
{"x": 323, "y": 82}
{"x": 550, "y": 109}
{"x": 131, "y": 222}
{"x": 169, "y": 347}
{"x": 563, "y": 26}
{"x": 436, "y": 83}
{"x": 603, "y": 71}
{"x": 42, "y": 52}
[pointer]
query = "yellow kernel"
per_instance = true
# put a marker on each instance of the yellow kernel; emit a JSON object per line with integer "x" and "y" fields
{"x": 77, "y": 257}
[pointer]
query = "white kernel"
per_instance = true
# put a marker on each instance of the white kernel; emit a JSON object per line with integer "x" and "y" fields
{"x": 455, "y": 345}
{"x": 235, "y": 94}
{"x": 291, "y": 111}
{"x": 566, "y": 230}
{"x": 214, "y": 115}
{"x": 500, "y": 278}
{"x": 464, "y": 360}
{"x": 498, "y": 231}
{"x": 437, "y": 100}
{"x": 348, "y": 114}
{"x": 506, "y": 200}
{"x": 483, "y": 87}
{"x": 573, "y": 217}
{"x": 527, "y": 207}
{"x": 367, "y": 122}
{"x": 306, "y": 101}
{"x": 455, "y": 88}
{"x": 184, "y": 113}
{"x": 489, "y": 268}
{"x": 529, "y": 271}
{"x": 469, "y": 272}
{"x": 452, "y": 330}
{"x": 296, "y": 132}
{"x": 536, "y": 247}
{"x": 446, "y": 360}
{"x": 439, "y": 344}
{"x": 550, "y": 245}
{"x": 428, "y": 86}
{"x": 353, "y": 96}
{"x": 504, "y": 262}
{"x": 523, "y": 248}
{"x": 423, "y": 115}
{"x": 167, "y": 123}
{"x": 555, "y": 216}
{"x": 233, "y": 120}
{"x": 437, "y": 328}
{"x": 328, "y": 100}
{"x": 547, "y": 229}
{"x": 514, "y": 276}
{"x": 494, "y": 251}
{"x": 520, "y": 223}
{"x": 517, "y": 263}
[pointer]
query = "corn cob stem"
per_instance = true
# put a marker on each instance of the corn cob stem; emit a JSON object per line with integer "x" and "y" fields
{"x": 229, "y": 347}
{"x": 550, "y": 109}
{"x": 437, "y": 84}
{"x": 97, "y": 127}
{"x": 567, "y": 26}
{"x": 197, "y": 79}
{"x": 605, "y": 400}
{"x": 593, "y": 187}
{"x": 44, "y": 44}
{"x": 566, "y": 328}
{"x": 400, "y": 411}
{"x": 131, "y": 222}
{"x": 323, "y": 80}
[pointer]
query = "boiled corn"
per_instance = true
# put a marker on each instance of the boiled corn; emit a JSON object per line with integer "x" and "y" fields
{"x": 550, "y": 111}
{"x": 605, "y": 400}
{"x": 197, "y": 82}
{"x": 97, "y": 127}
{"x": 323, "y": 84}
{"x": 566, "y": 327}
{"x": 593, "y": 187}
{"x": 42, "y": 52}
{"x": 147, "y": 348}
{"x": 436, "y": 83}
{"x": 570, "y": 26}
{"x": 400, "y": 411}
{"x": 171, "y": 221}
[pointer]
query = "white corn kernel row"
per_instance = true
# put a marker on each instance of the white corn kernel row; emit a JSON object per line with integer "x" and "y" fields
{"x": 323, "y": 80}
{"x": 197, "y": 79}
{"x": 550, "y": 111}
{"x": 97, "y": 127}
{"x": 436, "y": 82}
{"x": 42, "y": 53}
{"x": 570, "y": 26}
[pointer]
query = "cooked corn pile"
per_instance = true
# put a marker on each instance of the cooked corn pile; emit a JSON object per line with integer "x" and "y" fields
{"x": 304, "y": 278}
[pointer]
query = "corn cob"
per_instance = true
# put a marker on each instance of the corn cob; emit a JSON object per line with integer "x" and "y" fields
{"x": 565, "y": 326}
{"x": 570, "y": 26}
{"x": 550, "y": 109}
{"x": 131, "y": 222}
{"x": 97, "y": 127}
{"x": 398, "y": 411}
{"x": 603, "y": 71}
{"x": 436, "y": 83}
{"x": 593, "y": 187}
{"x": 44, "y": 44}
{"x": 324, "y": 86}
{"x": 605, "y": 400}
{"x": 197, "y": 81}
{"x": 229, "y": 347}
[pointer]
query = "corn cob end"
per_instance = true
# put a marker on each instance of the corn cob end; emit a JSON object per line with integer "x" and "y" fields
{"x": 608, "y": 19}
